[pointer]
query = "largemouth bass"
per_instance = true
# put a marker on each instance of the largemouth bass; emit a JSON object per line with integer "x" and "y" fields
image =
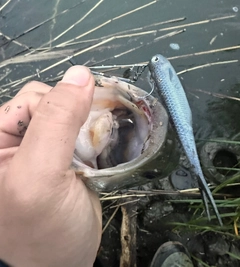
{"x": 125, "y": 131}
{"x": 169, "y": 86}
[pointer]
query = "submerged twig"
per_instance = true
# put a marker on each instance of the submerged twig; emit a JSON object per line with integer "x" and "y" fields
{"x": 163, "y": 29}
{"x": 217, "y": 95}
{"x": 140, "y": 46}
{"x": 110, "y": 205}
{"x": 20, "y": 81}
{"x": 15, "y": 42}
{"x": 124, "y": 32}
{"x": 118, "y": 66}
{"x": 110, "y": 219}
{"x": 125, "y": 203}
{"x": 197, "y": 23}
{"x": 4, "y": 5}
{"x": 74, "y": 24}
{"x": 104, "y": 24}
{"x": 172, "y": 58}
{"x": 191, "y": 192}
{"x": 3, "y": 76}
{"x": 213, "y": 40}
{"x": 134, "y": 10}
{"x": 37, "y": 57}
{"x": 208, "y": 65}
{"x": 224, "y": 49}
{"x": 42, "y": 23}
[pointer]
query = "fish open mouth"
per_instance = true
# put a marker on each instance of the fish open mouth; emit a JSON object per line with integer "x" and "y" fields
{"x": 117, "y": 129}
{"x": 125, "y": 130}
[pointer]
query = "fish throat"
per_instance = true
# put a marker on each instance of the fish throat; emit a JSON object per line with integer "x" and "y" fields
{"x": 117, "y": 128}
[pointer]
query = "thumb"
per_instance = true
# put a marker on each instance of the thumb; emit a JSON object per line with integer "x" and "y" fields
{"x": 49, "y": 142}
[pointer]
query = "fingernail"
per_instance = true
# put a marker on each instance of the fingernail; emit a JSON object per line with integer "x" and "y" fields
{"x": 77, "y": 75}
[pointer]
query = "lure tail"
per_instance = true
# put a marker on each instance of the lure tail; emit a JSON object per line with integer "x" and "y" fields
{"x": 207, "y": 196}
{"x": 205, "y": 203}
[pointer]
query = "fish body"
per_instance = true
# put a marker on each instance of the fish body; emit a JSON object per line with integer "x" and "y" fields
{"x": 169, "y": 86}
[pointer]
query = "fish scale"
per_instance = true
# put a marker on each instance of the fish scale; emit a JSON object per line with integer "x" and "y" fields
{"x": 169, "y": 86}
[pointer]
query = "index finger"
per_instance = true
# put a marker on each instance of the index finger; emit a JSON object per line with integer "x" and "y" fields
{"x": 16, "y": 114}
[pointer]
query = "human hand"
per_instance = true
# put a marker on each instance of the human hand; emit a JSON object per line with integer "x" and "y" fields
{"x": 47, "y": 215}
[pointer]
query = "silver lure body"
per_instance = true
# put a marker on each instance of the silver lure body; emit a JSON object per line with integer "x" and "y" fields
{"x": 169, "y": 86}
